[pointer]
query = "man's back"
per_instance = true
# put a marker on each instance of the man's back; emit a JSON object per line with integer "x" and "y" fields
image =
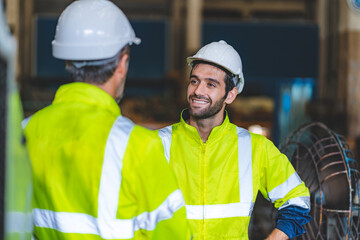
{"x": 93, "y": 167}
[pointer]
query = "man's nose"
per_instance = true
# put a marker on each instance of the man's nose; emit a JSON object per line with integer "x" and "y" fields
{"x": 200, "y": 89}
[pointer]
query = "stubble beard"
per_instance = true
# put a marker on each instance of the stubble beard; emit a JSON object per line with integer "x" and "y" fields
{"x": 208, "y": 112}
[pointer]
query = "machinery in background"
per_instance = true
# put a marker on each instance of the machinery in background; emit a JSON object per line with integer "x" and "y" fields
{"x": 325, "y": 163}
{"x": 15, "y": 168}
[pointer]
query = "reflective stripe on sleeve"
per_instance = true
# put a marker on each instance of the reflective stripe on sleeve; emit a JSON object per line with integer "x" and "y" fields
{"x": 281, "y": 190}
{"x": 165, "y": 135}
{"x": 64, "y": 221}
{"x": 18, "y": 222}
{"x": 106, "y": 225}
{"x": 219, "y": 210}
{"x": 148, "y": 221}
{"x": 303, "y": 202}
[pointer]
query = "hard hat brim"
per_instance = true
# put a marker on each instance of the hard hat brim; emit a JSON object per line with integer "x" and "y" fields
{"x": 137, "y": 40}
{"x": 190, "y": 60}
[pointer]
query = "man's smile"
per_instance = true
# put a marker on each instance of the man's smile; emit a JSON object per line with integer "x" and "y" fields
{"x": 199, "y": 100}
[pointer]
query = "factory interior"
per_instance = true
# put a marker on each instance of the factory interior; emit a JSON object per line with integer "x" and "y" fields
{"x": 301, "y": 64}
{"x": 299, "y": 59}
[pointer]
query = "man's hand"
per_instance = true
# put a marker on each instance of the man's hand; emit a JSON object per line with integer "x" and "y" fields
{"x": 276, "y": 234}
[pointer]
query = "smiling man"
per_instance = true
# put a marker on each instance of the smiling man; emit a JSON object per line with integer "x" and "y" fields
{"x": 221, "y": 167}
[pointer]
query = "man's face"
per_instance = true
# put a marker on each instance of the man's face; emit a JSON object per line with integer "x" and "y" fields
{"x": 206, "y": 91}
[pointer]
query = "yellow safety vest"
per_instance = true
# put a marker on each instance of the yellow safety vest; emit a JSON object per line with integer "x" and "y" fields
{"x": 97, "y": 175}
{"x": 220, "y": 179}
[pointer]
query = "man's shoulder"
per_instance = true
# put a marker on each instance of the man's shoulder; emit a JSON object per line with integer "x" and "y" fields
{"x": 36, "y": 115}
{"x": 258, "y": 138}
{"x": 62, "y": 113}
{"x": 259, "y": 141}
{"x": 254, "y": 136}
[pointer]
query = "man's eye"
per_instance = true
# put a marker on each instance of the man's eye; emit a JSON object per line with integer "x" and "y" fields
{"x": 211, "y": 85}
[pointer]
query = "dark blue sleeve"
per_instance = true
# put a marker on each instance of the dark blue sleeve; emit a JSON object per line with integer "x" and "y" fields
{"x": 291, "y": 220}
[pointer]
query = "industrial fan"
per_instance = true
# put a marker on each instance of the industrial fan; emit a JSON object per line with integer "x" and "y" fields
{"x": 325, "y": 163}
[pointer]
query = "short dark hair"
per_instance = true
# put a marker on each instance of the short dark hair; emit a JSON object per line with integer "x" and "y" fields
{"x": 229, "y": 82}
{"x": 97, "y": 74}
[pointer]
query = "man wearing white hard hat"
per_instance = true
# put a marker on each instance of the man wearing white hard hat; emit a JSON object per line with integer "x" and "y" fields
{"x": 221, "y": 167}
{"x": 96, "y": 174}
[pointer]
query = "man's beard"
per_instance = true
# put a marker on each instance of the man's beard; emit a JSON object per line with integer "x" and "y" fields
{"x": 208, "y": 112}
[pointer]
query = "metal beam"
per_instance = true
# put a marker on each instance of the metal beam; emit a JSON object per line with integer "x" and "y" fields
{"x": 246, "y": 6}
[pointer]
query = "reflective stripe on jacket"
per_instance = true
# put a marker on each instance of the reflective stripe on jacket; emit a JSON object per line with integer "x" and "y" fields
{"x": 97, "y": 175}
{"x": 220, "y": 179}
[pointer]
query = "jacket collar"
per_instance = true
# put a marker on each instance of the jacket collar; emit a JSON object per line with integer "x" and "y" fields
{"x": 215, "y": 134}
{"x": 86, "y": 93}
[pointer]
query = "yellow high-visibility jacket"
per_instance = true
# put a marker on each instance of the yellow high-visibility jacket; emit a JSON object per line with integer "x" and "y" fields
{"x": 220, "y": 178}
{"x": 97, "y": 175}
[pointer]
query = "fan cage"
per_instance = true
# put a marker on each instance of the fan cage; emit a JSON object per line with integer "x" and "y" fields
{"x": 324, "y": 161}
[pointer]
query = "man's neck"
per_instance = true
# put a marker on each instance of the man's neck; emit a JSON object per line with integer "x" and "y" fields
{"x": 111, "y": 86}
{"x": 205, "y": 126}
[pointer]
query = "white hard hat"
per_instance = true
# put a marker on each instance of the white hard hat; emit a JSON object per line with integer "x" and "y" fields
{"x": 92, "y": 30}
{"x": 224, "y": 55}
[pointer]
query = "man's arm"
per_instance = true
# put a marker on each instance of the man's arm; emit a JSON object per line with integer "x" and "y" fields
{"x": 290, "y": 220}
{"x": 284, "y": 188}
{"x": 277, "y": 234}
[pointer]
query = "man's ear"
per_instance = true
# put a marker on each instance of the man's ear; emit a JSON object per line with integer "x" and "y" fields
{"x": 231, "y": 95}
{"x": 122, "y": 68}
